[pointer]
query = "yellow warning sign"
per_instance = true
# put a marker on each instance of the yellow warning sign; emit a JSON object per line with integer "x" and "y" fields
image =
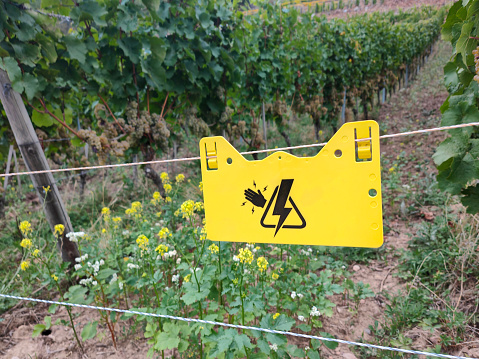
{"x": 331, "y": 199}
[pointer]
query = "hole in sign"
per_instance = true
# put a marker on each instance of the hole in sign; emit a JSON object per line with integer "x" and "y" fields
{"x": 229, "y": 160}
{"x": 338, "y": 153}
{"x": 373, "y": 192}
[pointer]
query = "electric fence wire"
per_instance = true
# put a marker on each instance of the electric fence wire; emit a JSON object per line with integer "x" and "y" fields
{"x": 184, "y": 159}
{"x": 242, "y": 327}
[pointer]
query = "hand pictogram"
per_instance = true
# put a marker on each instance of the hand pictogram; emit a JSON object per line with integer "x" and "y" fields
{"x": 256, "y": 198}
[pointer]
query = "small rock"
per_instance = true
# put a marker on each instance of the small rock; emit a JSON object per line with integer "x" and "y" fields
{"x": 349, "y": 356}
{"x": 362, "y": 301}
{"x": 367, "y": 331}
{"x": 356, "y": 268}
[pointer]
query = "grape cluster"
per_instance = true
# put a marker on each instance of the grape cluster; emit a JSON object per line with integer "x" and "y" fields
{"x": 142, "y": 124}
{"x": 196, "y": 124}
{"x": 312, "y": 106}
{"x": 476, "y": 61}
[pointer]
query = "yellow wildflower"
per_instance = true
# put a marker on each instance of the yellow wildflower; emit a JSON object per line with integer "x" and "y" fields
{"x": 200, "y": 186}
{"x": 136, "y": 205}
{"x": 203, "y": 233}
{"x": 30, "y": 186}
{"x": 167, "y": 188}
{"x": 126, "y": 259}
{"x": 214, "y": 248}
{"x": 168, "y": 199}
{"x": 164, "y": 233}
{"x": 180, "y": 178}
{"x": 142, "y": 242}
{"x": 245, "y": 256}
{"x": 161, "y": 249}
{"x": 46, "y": 189}
{"x": 177, "y": 213}
{"x": 25, "y": 227}
{"x": 156, "y": 195}
{"x": 187, "y": 278}
{"x": 187, "y": 208}
{"x": 116, "y": 219}
{"x": 36, "y": 252}
{"x": 164, "y": 177}
{"x": 103, "y": 230}
{"x": 25, "y": 265}
{"x": 26, "y": 243}
{"x": 235, "y": 281}
{"x": 276, "y": 315}
{"x": 105, "y": 210}
{"x": 158, "y": 214}
{"x": 199, "y": 206}
{"x": 275, "y": 276}
{"x": 392, "y": 169}
{"x": 59, "y": 229}
{"x": 55, "y": 278}
{"x": 262, "y": 264}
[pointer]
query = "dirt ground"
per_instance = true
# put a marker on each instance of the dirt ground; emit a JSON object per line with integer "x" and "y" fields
{"x": 408, "y": 109}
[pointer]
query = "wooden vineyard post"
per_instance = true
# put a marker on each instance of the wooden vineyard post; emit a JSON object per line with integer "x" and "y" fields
{"x": 19, "y": 181}
{"x": 35, "y": 160}
{"x": 5, "y": 183}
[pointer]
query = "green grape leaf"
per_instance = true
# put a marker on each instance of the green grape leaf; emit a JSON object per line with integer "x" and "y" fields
{"x": 471, "y": 199}
{"x": 158, "y": 49}
{"x": 41, "y": 119}
{"x": 131, "y": 47}
{"x": 32, "y": 85}
{"x": 462, "y": 113}
{"x": 451, "y": 79}
{"x": 449, "y": 148}
{"x": 76, "y": 48}
{"x": 13, "y": 70}
{"x": 26, "y": 53}
{"x": 48, "y": 47}
{"x": 3, "y": 52}
{"x": 465, "y": 44}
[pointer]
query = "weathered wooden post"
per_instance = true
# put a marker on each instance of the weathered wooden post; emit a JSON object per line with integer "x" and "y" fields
{"x": 35, "y": 160}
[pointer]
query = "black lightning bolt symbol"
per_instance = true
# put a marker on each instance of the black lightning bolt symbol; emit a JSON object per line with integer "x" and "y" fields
{"x": 254, "y": 183}
{"x": 279, "y": 207}
{"x": 252, "y": 211}
{"x": 265, "y": 189}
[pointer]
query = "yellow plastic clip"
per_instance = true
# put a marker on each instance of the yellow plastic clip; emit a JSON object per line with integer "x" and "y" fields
{"x": 331, "y": 199}
{"x": 211, "y": 157}
{"x": 363, "y": 147}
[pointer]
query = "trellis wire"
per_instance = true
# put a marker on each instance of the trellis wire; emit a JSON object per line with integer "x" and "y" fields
{"x": 243, "y": 327}
{"x": 444, "y": 128}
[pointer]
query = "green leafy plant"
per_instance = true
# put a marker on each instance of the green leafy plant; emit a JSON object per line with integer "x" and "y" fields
{"x": 40, "y": 328}
{"x": 457, "y": 158}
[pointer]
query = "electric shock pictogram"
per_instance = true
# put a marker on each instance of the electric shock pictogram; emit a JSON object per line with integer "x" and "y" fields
{"x": 281, "y": 208}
